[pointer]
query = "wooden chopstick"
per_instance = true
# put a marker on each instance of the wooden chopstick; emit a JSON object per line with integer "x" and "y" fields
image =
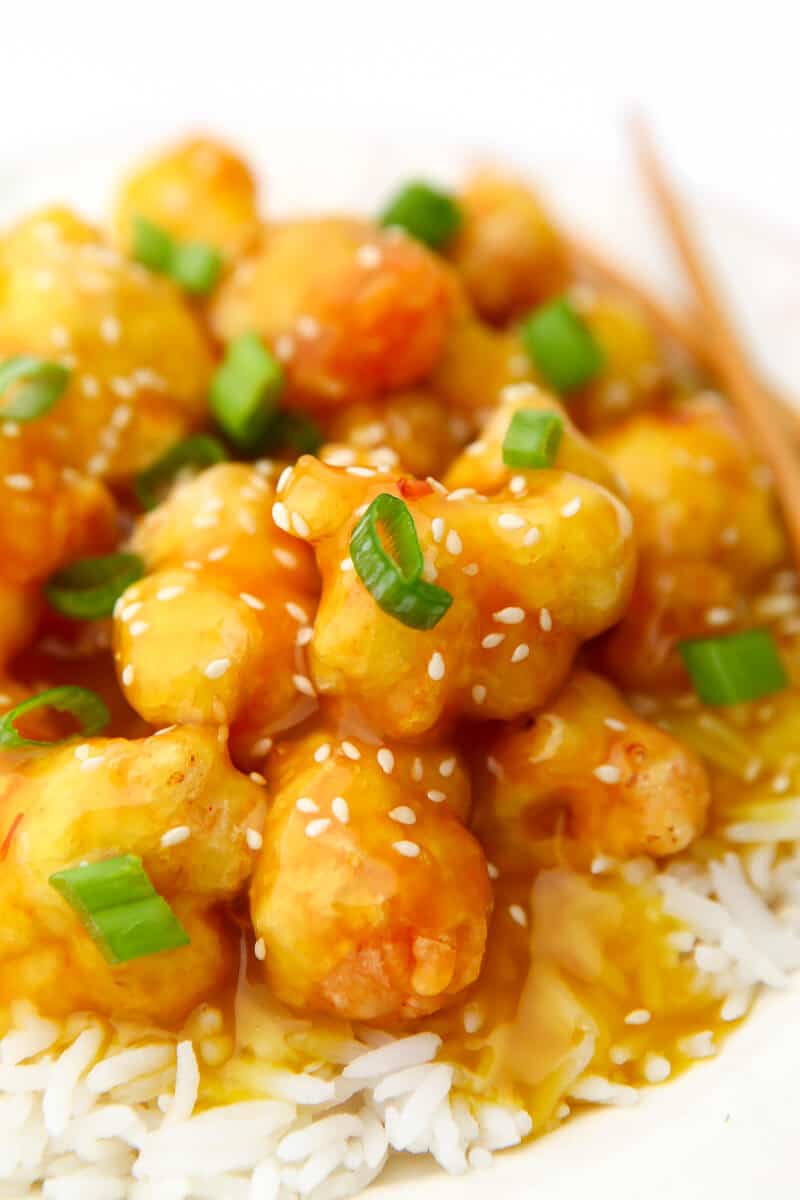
{"x": 741, "y": 383}
{"x": 677, "y": 326}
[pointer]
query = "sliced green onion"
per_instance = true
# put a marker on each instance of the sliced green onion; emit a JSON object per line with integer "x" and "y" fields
{"x": 86, "y": 707}
{"x": 532, "y": 438}
{"x": 428, "y": 214}
{"x": 293, "y": 431}
{"x": 561, "y": 346}
{"x": 394, "y": 579}
{"x": 90, "y": 587}
{"x": 39, "y": 384}
{"x": 245, "y": 391}
{"x": 735, "y": 668}
{"x": 120, "y": 908}
{"x": 195, "y": 266}
{"x": 199, "y": 450}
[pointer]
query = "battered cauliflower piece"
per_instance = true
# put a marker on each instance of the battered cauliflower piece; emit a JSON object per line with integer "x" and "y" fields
{"x": 508, "y": 252}
{"x": 481, "y": 465}
{"x": 198, "y": 191}
{"x": 530, "y": 580}
{"x": 140, "y": 363}
{"x": 416, "y": 425}
{"x": 352, "y": 311}
{"x": 371, "y": 897}
{"x": 478, "y": 362}
{"x": 696, "y": 492}
{"x": 215, "y": 633}
{"x": 590, "y": 768}
{"x": 106, "y": 797}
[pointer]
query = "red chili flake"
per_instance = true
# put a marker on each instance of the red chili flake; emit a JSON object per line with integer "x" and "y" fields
{"x": 9, "y": 836}
{"x": 413, "y": 489}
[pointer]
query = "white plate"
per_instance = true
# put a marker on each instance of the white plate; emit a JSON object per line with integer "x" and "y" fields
{"x": 728, "y": 1128}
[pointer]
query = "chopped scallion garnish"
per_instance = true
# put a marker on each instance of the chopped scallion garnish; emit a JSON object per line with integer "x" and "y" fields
{"x": 195, "y": 266}
{"x": 245, "y": 391}
{"x": 200, "y": 450}
{"x": 35, "y": 385}
{"x": 86, "y": 707}
{"x": 561, "y": 346}
{"x": 120, "y": 908}
{"x": 532, "y": 438}
{"x": 90, "y": 587}
{"x": 735, "y": 668}
{"x": 393, "y": 576}
{"x": 427, "y": 213}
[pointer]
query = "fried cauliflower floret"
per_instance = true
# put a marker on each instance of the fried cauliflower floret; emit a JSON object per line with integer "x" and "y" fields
{"x": 481, "y": 464}
{"x": 107, "y": 797}
{"x": 590, "y": 768}
{"x": 371, "y": 898}
{"x": 215, "y": 633}
{"x": 530, "y": 579}
{"x": 695, "y": 490}
{"x": 351, "y": 311}
{"x": 416, "y": 425}
{"x": 633, "y": 376}
{"x": 478, "y": 362}
{"x": 140, "y": 364}
{"x": 508, "y": 253}
{"x": 198, "y": 191}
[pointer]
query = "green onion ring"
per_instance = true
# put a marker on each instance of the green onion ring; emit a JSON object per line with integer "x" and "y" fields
{"x": 85, "y": 706}
{"x": 90, "y": 587}
{"x": 39, "y": 384}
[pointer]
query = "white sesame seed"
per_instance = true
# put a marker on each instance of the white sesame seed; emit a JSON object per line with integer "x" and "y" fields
{"x": 60, "y": 337}
{"x": 19, "y": 482}
{"x": 306, "y": 805}
{"x": 521, "y": 652}
{"x": 110, "y": 329}
{"x": 138, "y": 627}
{"x": 385, "y": 760}
{"x": 307, "y": 326}
{"x": 719, "y": 616}
{"x": 453, "y": 543}
{"x": 492, "y": 871}
{"x": 260, "y": 950}
{"x": 127, "y": 675}
{"x": 572, "y": 507}
{"x": 340, "y": 809}
{"x": 361, "y": 472}
{"x": 781, "y": 783}
{"x": 607, "y": 773}
{"x": 346, "y": 564}
{"x": 436, "y": 667}
{"x": 470, "y": 569}
{"x": 246, "y": 521}
{"x": 205, "y": 520}
{"x": 90, "y": 764}
{"x": 517, "y": 485}
{"x": 350, "y": 751}
{"x": 446, "y": 767}
{"x": 462, "y": 493}
{"x": 613, "y": 723}
{"x": 436, "y": 796}
{"x": 303, "y": 685}
{"x": 322, "y": 753}
{"x": 89, "y": 385}
{"x": 218, "y": 553}
{"x": 479, "y": 693}
{"x": 437, "y": 529}
{"x": 173, "y": 837}
{"x": 283, "y": 479}
{"x": 493, "y": 767}
{"x": 508, "y": 520}
{"x": 300, "y": 525}
{"x": 657, "y": 1068}
{"x": 82, "y": 752}
{"x": 638, "y": 1016}
{"x": 369, "y": 256}
{"x": 122, "y": 416}
{"x": 11, "y": 429}
{"x": 509, "y": 616}
{"x": 254, "y": 839}
{"x": 545, "y": 620}
{"x": 285, "y": 557}
{"x": 339, "y": 456}
{"x": 403, "y": 815}
{"x": 170, "y": 593}
{"x": 315, "y": 828}
{"x": 492, "y": 639}
{"x": 518, "y": 914}
{"x": 304, "y": 636}
{"x": 438, "y": 487}
{"x": 296, "y": 612}
{"x": 130, "y": 610}
{"x": 280, "y": 515}
{"x": 407, "y": 849}
{"x": 252, "y": 601}
{"x": 257, "y": 777}
{"x": 416, "y": 770}
{"x": 261, "y": 747}
{"x": 532, "y": 536}
{"x": 97, "y": 464}
{"x": 217, "y": 668}
{"x": 620, "y": 1055}
{"x": 472, "y": 1018}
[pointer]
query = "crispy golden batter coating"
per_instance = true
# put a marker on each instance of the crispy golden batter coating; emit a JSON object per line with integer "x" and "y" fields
{"x": 530, "y": 578}
{"x": 372, "y": 899}
{"x": 481, "y": 464}
{"x": 215, "y": 633}
{"x": 198, "y": 191}
{"x": 590, "y": 768}
{"x": 101, "y": 798}
{"x": 139, "y": 360}
{"x": 416, "y": 425}
{"x": 508, "y": 252}
{"x": 477, "y": 363}
{"x": 352, "y": 311}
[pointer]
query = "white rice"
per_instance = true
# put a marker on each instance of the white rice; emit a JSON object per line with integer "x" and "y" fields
{"x": 94, "y": 1112}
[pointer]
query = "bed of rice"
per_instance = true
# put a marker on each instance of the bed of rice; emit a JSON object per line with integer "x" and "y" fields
{"x": 91, "y": 1113}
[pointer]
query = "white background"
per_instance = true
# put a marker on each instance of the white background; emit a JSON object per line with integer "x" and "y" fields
{"x": 536, "y": 77}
